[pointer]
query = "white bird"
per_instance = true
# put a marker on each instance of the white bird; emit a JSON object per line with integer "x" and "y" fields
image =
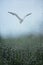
{"x": 21, "y": 20}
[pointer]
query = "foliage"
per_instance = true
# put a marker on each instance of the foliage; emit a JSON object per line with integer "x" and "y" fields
{"x": 21, "y": 51}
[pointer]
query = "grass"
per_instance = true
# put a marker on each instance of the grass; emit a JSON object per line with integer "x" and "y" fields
{"x": 27, "y": 50}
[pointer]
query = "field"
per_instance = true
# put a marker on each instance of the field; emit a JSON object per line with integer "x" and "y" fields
{"x": 26, "y": 50}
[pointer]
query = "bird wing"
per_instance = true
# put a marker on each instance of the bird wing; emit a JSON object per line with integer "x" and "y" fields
{"x": 15, "y": 15}
{"x": 27, "y": 15}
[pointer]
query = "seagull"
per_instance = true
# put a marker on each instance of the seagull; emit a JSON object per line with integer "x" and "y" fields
{"x": 21, "y": 20}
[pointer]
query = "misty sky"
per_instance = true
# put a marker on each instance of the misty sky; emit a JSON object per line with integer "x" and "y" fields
{"x": 9, "y": 24}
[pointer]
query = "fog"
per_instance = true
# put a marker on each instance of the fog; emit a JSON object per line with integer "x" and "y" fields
{"x": 9, "y": 24}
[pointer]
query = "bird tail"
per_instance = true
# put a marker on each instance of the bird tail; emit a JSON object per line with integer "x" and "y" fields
{"x": 21, "y": 21}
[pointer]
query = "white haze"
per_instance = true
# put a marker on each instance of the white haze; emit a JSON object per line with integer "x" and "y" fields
{"x": 9, "y": 24}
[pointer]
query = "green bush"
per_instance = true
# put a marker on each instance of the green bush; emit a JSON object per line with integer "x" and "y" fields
{"x": 26, "y": 51}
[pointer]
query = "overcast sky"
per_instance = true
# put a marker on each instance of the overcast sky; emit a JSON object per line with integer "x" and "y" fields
{"x": 9, "y": 24}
